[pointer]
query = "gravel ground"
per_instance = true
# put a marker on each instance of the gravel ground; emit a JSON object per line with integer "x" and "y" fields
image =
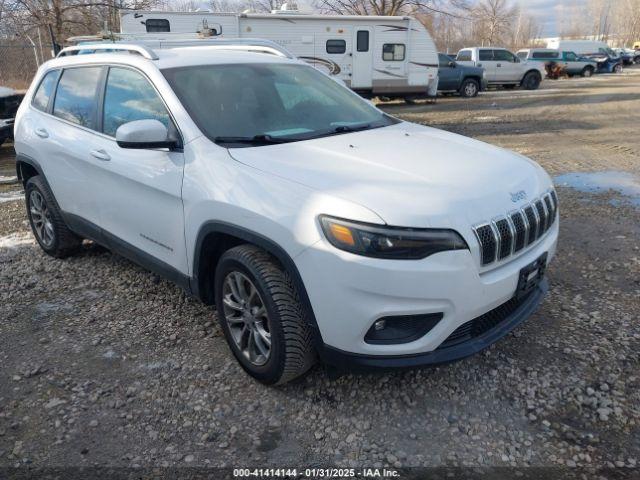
{"x": 106, "y": 364}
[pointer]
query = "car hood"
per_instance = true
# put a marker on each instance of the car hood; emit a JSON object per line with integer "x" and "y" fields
{"x": 408, "y": 174}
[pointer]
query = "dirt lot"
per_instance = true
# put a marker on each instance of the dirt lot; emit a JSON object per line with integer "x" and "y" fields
{"x": 106, "y": 364}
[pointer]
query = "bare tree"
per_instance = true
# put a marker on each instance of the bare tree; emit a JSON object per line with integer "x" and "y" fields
{"x": 493, "y": 20}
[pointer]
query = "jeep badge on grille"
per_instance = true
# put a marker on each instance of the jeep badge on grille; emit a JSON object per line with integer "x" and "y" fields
{"x": 517, "y": 196}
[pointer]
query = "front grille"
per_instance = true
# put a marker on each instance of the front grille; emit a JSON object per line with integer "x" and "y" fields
{"x": 517, "y": 219}
{"x": 484, "y": 323}
{"x": 507, "y": 235}
{"x": 488, "y": 243}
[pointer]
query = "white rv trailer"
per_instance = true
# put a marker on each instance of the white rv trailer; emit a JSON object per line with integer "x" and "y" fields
{"x": 374, "y": 55}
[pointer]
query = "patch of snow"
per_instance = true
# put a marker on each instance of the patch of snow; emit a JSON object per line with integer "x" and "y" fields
{"x": 5, "y": 92}
{"x": 11, "y": 196}
{"x": 8, "y": 180}
{"x": 15, "y": 240}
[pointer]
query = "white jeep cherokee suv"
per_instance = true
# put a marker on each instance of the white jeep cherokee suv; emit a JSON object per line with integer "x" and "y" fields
{"x": 317, "y": 224}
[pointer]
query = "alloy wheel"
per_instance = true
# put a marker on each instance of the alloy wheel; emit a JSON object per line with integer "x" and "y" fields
{"x": 41, "y": 218}
{"x": 470, "y": 89}
{"x": 246, "y": 316}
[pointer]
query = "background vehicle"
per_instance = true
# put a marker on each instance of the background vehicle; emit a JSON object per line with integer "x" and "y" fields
{"x": 501, "y": 67}
{"x": 311, "y": 219}
{"x": 454, "y": 77}
{"x": 374, "y": 55}
{"x": 571, "y": 63}
{"x": 606, "y": 58}
{"x": 9, "y": 103}
{"x": 629, "y": 57}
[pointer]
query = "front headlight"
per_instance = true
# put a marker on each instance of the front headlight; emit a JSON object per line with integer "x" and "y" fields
{"x": 389, "y": 242}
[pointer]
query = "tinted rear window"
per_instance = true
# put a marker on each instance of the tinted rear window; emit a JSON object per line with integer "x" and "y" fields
{"x": 45, "y": 90}
{"x": 545, "y": 55}
{"x": 464, "y": 56}
{"x": 157, "y": 25}
{"x": 486, "y": 55}
{"x": 336, "y": 46}
{"x": 76, "y": 96}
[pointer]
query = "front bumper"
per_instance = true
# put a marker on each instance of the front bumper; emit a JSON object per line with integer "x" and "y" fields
{"x": 348, "y": 293}
{"x": 342, "y": 359}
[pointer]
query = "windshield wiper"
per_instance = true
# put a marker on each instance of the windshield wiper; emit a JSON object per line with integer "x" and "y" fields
{"x": 351, "y": 128}
{"x": 262, "y": 139}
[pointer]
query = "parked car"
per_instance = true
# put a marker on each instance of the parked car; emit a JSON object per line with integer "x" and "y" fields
{"x": 607, "y": 60}
{"x": 502, "y": 67}
{"x": 571, "y": 63}
{"x": 317, "y": 224}
{"x": 628, "y": 56}
{"x": 9, "y": 103}
{"x": 454, "y": 77}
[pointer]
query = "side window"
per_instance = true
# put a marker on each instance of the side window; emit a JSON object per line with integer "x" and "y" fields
{"x": 362, "y": 41}
{"x": 393, "y": 52}
{"x": 75, "y": 98}
{"x": 45, "y": 90}
{"x": 503, "y": 56}
{"x": 129, "y": 96}
{"x": 570, "y": 56}
{"x": 485, "y": 55}
{"x": 444, "y": 60}
{"x": 464, "y": 56}
{"x": 336, "y": 46}
{"x": 157, "y": 25}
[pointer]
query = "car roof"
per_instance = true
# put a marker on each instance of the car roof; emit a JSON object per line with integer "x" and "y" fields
{"x": 172, "y": 58}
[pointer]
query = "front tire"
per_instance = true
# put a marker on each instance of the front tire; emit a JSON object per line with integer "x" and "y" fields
{"x": 587, "y": 72}
{"x": 47, "y": 224}
{"x": 263, "y": 320}
{"x": 469, "y": 88}
{"x": 617, "y": 68}
{"x": 531, "y": 81}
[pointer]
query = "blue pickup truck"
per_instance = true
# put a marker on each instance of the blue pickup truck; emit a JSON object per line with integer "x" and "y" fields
{"x": 463, "y": 79}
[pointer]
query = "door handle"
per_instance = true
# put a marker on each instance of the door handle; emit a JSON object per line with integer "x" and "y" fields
{"x": 42, "y": 133}
{"x": 100, "y": 155}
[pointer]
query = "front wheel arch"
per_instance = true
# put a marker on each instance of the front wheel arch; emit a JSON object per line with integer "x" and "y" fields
{"x": 214, "y": 238}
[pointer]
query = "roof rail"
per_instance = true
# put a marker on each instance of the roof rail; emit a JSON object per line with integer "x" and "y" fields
{"x": 145, "y": 46}
{"x": 125, "y": 47}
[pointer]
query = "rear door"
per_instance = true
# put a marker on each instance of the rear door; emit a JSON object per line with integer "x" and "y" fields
{"x": 362, "y": 67}
{"x": 486, "y": 61}
{"x": 141, "y": 189}
{"x": 65, "y": 135}
{"x": 506, "y": 67}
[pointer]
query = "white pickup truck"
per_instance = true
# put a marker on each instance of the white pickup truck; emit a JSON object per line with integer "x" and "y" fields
{"x": 503, "y": 68}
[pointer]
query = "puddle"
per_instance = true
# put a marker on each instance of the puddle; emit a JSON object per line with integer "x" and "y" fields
{"x": 624, "y": 183}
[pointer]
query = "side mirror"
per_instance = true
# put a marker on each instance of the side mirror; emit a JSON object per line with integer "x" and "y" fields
{"x": 516, "y": 59}
{"x": 144, "y": 134}
{"x": 452, "y": 64}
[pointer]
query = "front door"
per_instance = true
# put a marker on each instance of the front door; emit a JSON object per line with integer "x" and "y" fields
{"x": 362, "y": 69}
{"x": 141, "y": 189}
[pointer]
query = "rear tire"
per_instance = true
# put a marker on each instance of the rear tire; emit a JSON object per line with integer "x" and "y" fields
{"x": 263, "y": 320}
{"x": 587, "y": 72}
{"x": 469, "y": 88}
{"x": 531, "y": 81}
{"x": 51, "y": 232}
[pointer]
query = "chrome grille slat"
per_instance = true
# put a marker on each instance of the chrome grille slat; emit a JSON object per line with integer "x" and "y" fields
{"x": 507, "y": 235}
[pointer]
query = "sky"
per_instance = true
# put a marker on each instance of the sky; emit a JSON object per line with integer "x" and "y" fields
{"x": 548, "y": 12}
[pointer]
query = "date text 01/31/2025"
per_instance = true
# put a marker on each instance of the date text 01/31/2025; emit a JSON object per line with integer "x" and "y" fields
{"x": 315, "y": 473}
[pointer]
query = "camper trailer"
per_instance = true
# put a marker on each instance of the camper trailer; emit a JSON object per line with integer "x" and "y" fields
{"x": 392, "y": 57}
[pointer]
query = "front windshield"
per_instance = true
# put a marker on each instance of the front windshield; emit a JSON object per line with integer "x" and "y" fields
{"x": 240, "y": 105}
